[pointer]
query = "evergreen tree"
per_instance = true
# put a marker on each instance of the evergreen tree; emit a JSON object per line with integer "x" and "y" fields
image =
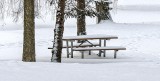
{"x": 81, "y": 23}
{"x": 29, "y": 32}
{"x": 102, "y": 8}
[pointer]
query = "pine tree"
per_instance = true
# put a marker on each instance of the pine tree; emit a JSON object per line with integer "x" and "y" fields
{"x": 81, "y": 23}
{"x": 29, "y": 32}
{"x": 102, "y": 8}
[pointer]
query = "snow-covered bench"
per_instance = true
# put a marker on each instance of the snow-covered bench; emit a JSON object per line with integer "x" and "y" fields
{"x": 78, "y": 45}
{"x": 115, "y": 48}
{"x": 82, "y": 45}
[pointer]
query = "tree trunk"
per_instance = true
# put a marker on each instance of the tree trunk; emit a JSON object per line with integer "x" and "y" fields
{"x": 99, "y": 9}
{"x": 81, "y": 24}
{"x": 29, "y": 32}
{"x": 58, "y": 32}
{"x": 103, "y": 10}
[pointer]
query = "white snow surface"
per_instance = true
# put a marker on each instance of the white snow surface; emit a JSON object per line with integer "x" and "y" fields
{"x": 136, "y": 11}
{"x": 140, "y": 62}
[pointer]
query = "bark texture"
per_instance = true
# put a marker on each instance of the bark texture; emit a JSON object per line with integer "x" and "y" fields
{"x": 103, "y": 10}
{"x": 29, "y": 32}
{"x": 58, "y": 33}
{"x": 81, "y": 23}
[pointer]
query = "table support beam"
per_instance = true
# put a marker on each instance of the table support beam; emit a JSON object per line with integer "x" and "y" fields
{"x": 71, "y": 49}
{"x": 100, "y": 44}
{"x": 67, "y": 49}
{"x": 115, "y": 54}
{"x": 104, "y": 55}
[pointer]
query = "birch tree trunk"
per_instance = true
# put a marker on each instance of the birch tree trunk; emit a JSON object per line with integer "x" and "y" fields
{"x": 29, "y": 32}
{"x": 81, "y": 23}
{"x": 58, "y": 33}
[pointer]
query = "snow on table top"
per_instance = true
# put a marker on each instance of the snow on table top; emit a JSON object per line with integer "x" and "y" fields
{"x": 99, "y": 36}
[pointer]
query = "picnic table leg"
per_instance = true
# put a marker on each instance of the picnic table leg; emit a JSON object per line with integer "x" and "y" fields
{"x": 67, "y": 49}
{"x": 100, "y": 51}
{"x": 115, "y": 54}
{"x": 104, "y": 55}
{"x": 89, "y": 52}
{"x": 71, "y": 49}
{"x": 82, "y": 55}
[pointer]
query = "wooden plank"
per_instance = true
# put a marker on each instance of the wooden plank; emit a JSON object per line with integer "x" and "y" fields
{"x": 77, "y": 45}
{"x": 100, "y": 48}
{"x": 115, "y": 48}
{"x": 83, "y": 45}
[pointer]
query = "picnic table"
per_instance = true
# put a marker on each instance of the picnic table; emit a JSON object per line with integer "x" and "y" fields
{"x": 87, "y": 38}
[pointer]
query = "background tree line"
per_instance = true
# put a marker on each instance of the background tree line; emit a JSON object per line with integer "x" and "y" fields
{"x": 29, "y": 9}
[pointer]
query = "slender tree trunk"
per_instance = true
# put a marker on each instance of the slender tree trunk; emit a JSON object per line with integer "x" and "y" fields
{"x": 81, "y": 23}
{"x": 58, "y": 33}
{"x": 103, "y": 10}
{"x": 99, "y": 9}
{"x": 29, "y": 32}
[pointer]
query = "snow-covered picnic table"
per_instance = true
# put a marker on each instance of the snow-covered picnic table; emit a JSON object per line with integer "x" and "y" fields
{"x": 87, "y": 39}
{"x": 90, "y": 37}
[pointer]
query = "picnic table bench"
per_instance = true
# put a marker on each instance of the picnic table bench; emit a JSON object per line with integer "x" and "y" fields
{"x": 78, "y": 45}
{"x": 115, "y": 48}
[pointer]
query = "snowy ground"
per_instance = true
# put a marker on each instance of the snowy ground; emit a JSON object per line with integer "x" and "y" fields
{"x": 136, "y": 11}
{"x": 140, "y": 62}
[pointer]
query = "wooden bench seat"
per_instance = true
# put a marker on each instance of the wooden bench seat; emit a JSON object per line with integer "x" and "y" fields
{"x": 78, "y": 45}
{"x": 115, "y": 48}
{"x": 83, "y": 45}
